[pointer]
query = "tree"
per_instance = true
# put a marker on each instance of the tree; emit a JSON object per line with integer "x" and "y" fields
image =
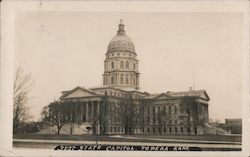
{"x": 21, "y": 90}
{"x": 56, "y": 114}
{"x": 162, "y": 118}
{"x": 100, "y": 118}
{"x": 189, "y": 107}
{"x": 71, "y": 115}
{"x": 128, "y": 112}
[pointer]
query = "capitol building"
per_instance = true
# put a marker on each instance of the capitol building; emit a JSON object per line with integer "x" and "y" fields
{"x": 119, "y": 107}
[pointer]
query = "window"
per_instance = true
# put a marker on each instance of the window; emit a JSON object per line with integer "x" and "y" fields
{"x": 164, "y": 129}
{"x": 153, "y": 129}
{"x": 127, "y": 65}
{"x": 153, "y": 119}
{"x": 112, "y": 80}
{"x": 170, "y": 122}
{"x": 175, "y": 121}
{"x": 181, "y": 129}
{"x": 159, "y": 109}
{"x": 175, "y": 129}
{"x": 121, "y": 64}
{"x": 105, "y": 93}
{"x": 104, "y": 80}
{"x": 175, "y": 109}
{"x": 126, "y": 79}
{"x": 148, "y": 130}
{"x": 111, "y": 129}
{"x": 121, "y": 79}
{"x": 134, "y": 66}
{"x": 164, "y": 109}
{"x": 118, "y": 54}
{"x": 170, "y": 130}
{"x": 169, "y": 109}
{"x": 153, "y": 110}
{"x": 112, "y": 65}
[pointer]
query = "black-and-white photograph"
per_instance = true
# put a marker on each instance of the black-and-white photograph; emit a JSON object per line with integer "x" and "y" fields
{"x": 128, "y": 81}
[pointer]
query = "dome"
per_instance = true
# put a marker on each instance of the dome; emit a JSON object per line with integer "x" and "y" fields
{"x": 121, "y": 42}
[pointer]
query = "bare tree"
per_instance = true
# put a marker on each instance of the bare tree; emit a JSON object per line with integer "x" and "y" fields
{"x": 56, "y": 114}
{"x": 21, "y": 90}
{"x": 71, "y": 115}
{"x": 129, "y": 112}
{"x": 162, "y": 118}
{"x": 190, "y": 109}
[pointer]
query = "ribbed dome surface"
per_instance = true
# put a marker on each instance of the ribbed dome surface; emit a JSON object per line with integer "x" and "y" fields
{"x": 121, "y": 42}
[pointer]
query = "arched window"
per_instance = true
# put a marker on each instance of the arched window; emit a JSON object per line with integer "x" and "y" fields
{"x": 126, "y": 79}
{"x": 121, "y": 64}
{"x": 127, "y": 65}
{"x": 104, "y": 80}
{"x": 121, "y": 79}
{"x": 112, "y": 80}
{"x": 112, "y": 65}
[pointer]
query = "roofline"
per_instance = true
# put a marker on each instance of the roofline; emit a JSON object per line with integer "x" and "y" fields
{"x": 76, "y": 89}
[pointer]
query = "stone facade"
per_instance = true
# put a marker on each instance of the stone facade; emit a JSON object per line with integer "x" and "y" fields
{"x": 162, "y": 113}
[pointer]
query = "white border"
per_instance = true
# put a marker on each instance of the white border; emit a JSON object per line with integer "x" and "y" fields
{"x": 8, "y": 9}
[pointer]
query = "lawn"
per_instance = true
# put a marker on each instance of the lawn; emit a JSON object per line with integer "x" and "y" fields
{"x": 137, "y": 138}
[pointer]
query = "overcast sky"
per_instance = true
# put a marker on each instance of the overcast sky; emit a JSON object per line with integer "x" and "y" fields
{"x": 63, "y": 50}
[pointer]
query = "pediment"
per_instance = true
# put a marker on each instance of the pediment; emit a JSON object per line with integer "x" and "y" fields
{"x": 162, "y": 96}
{"x": 79, "y": 92}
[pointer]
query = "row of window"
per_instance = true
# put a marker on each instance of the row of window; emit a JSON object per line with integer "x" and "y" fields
{"x": 161, "y": 120}
{"x": 121, "y": 95}
{"x": 163, "y": 109}
{"x": 123, "y": 64}
{"x": 123, "y": 80}
{"x": 118, "y": 129}
{"x": 159, "y": 129}
{"x": 118, "y": 55}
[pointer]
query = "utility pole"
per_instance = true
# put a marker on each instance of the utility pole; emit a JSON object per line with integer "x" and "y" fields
{"x": 193, "y": 79}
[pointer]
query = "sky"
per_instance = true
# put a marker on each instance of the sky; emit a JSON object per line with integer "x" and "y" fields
{"x": 63, "y": 50}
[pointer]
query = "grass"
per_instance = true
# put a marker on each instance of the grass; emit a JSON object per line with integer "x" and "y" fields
{"x": 139, "y": 138}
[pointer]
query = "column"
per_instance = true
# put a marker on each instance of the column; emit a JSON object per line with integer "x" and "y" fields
{"x": 81, "y": 112}
{"x": 92, "y": 109}
{"x": 87, "y": 114}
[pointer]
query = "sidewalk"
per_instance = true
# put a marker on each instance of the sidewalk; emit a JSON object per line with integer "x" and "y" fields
{"x": 30, "y": 143}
